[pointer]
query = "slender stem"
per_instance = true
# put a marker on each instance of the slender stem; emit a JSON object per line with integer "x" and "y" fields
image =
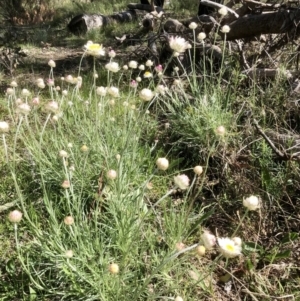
{"x": 240, "y": 223}
{"x": 5, "y": 147}
{"x": 162, "y": 198}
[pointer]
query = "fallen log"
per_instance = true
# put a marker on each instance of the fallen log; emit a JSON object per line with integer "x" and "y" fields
{"x": 260, "y": 73}
{"x": 268, "y": 23}
{"x": 82, "y": 23}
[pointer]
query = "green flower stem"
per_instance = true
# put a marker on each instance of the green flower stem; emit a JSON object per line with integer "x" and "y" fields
{"x": 240, "y": 223}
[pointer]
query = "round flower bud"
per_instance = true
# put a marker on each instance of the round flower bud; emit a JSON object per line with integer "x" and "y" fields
{"x": 113, "y": 268}
{"x": 193, "y": 25}
{"x": 112, "y": 53}
{"x": 84, "y": 148}
{"x": 50, "y": 82}
{"x": 198, "y": 170}
{"x": 209, "y": 240}
{"x": 220, "y": 130}
{"x": 133, "y": 84}
{"x": 52, "y": 64}
{"x": 200, "y": 250}
{"x": 158, "y": 68}
{"x": 69, "y": 79}
{"x": 149, "y": 185}
{"x": 10, "y": 91}
{"x": 225, "y": 29}
{"x": 69, "y": 254}
{"x": 25, "y": 92}
{"x": 63, "y": 154}
{"x": 149, "y": 63}
{"x": 125, "y": 67}
{"x": 178, "y": 298}
{"x": 14, "y": 84}
{"x": 201, "y": 36}
{"x": 223, "y": 11}
{"x": 142, "y": 67}
{"x": 55, "y": 118}
{"x": 35, "y": 101}
{"x": 65, "y": 184}
{"x": 182, "y": 181}
{"x": 69, "y": 220}
{"x": 41, "y": 85}
{"x": 179, "y": 246}
{"x": 252, "y": 202}
{"x": 4, "y": 127}
{"x": 15, "y": 216}
{"x": 162, "y": 163}
{"x": 112, "y": 174}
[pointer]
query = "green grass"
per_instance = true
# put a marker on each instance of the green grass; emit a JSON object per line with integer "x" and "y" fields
{"x": 141, "y": 220}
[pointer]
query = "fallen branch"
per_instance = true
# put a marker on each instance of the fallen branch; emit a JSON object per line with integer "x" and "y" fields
{"x": 268, "y": 23}
{"x": 218, "y": 6}
{"x": 260, "y": 73}
{"x": 283, "y": 155}
{"x": 81, "y": 24}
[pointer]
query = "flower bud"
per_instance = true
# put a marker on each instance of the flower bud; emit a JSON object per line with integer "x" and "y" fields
{"x": 162, "y": 163}
{"x": 65, "y": 184}
{"x": 69, "y": 254}
{"x": 198, "y": 170}
{"x": 209, "y": 240}
{"x": 252, "y": 202}
{"x": 200, "y": 250}
{"x": 113, "y": 268}
{"x": 112, "y": 174}
{"x": 193, "y": 26}
{"x": 63, "y": 154}
{"x": 4, "y": 127}
{"x": 15, "y": 216}
{"x": 220, "y": 130}
{"x": 52, "y": 64}
{"x": 69, "y": 220}
{"x": 84, "y": 148}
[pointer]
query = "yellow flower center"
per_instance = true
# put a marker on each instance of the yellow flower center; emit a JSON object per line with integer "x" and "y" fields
{"x": 229, "y": 247}
{"x": 94, "y": 47}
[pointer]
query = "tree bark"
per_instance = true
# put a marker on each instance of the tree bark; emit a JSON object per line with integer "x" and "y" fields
{"x": 267, "y": 23}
